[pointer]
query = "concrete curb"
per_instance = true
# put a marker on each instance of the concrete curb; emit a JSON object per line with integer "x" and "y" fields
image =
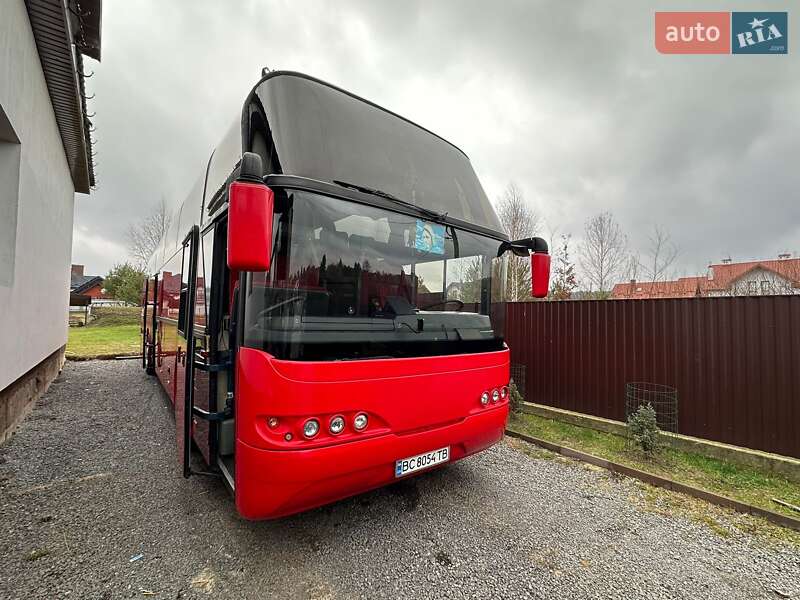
{"x": 662, "y": 482}
{"x": 104, "y": 357}
{"x": 785, "y": 466}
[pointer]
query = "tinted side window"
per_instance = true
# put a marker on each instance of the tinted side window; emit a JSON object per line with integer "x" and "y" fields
{"x": 184, "y": 292}
{"x": 204, "y": 265}
{"x": 169, "y": 287}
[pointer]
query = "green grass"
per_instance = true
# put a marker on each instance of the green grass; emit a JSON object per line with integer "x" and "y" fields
{"x": 727, "y": 479}
{"x": 95, "y": 342}
{"x": 115, "y": 315}
{"x": 112, "y": 331}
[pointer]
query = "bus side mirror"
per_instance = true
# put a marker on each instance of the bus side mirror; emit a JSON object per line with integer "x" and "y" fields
{"x": 523, "y": 247}
{"x": 540, "y": 274}
{"x": 250, "y": 209}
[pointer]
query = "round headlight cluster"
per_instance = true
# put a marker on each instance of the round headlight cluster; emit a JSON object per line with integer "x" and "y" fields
{"x": 311, "y": 428}
{"x": 494, "y": 396}
{"x": 360, "y": 422}
{"x": 336, "y": 426}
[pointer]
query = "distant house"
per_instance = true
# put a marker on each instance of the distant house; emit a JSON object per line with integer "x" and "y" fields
{"x": 754, "y": 278}
{"x": 85, "y": 285}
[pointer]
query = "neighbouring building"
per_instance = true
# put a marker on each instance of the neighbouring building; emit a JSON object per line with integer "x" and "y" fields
{"x": 85, "y": 285}
{"x": 45, "y": 158}
{"x": 754, "y": 278}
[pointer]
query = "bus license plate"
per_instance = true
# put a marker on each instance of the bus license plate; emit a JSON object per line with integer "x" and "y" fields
{"x": 421, "y": 461}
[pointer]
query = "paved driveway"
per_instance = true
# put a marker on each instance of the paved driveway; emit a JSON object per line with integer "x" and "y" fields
{"x": 90, "y": 482}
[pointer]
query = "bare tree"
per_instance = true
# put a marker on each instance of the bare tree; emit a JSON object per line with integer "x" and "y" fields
{"x": 633, "y": 266}
{"x": 144, "y": 236}
{"x": 603, "y": 253}
{"x": 520, "y": 220}
{"x": 661, "y": 254}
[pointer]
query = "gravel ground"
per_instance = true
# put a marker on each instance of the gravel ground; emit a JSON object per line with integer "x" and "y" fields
{"x": 90, "y": 481}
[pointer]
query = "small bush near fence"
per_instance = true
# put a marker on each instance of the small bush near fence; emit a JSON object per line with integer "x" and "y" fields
{"x": 514, "y": 397}
{"x": 643, "y": 429}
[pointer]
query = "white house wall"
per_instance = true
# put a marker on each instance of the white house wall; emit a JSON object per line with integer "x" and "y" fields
{"x": 34, "y": 298}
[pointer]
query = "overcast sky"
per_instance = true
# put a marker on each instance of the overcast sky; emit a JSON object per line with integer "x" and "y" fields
{"x": 570, "y": 100}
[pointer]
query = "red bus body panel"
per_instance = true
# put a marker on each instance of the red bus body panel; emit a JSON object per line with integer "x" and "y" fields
{"x": 414, "y": 405}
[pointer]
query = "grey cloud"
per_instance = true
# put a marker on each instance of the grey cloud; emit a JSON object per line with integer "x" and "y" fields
{"x": 570, "y": 100}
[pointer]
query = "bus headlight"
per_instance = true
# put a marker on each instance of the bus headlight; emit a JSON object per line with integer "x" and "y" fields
{"x": 495, "y": 396}
{"x": 484, "y": 398}
{"x": 360, "y": 422}
{"x": 311, "y": 428}
{"x": 336, "y": 426}
{"x": 503, "y": 392}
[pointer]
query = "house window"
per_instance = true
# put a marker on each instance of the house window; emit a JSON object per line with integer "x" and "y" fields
{"x": 752, "y": 288}
{"x": 766, "y": 288}
{"x": 9, "y": 198}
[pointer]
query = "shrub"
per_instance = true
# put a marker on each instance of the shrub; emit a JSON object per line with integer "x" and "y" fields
{"x": 514, "y": 397}
{"x": 643, "y": 428}
{"x": 125, "y": 282}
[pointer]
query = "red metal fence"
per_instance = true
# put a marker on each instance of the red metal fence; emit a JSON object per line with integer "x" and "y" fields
{"x": 734, "y": 361}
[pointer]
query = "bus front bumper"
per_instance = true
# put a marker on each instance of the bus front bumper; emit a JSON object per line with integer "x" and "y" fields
{"x": 277, "y": 483}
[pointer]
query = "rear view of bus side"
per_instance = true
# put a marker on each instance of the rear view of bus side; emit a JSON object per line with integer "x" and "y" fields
{"x": 326, "y": 311}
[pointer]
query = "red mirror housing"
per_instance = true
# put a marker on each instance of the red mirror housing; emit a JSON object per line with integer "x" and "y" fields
{"x": 250, "y": 208}
{"x": 540, "y": 274}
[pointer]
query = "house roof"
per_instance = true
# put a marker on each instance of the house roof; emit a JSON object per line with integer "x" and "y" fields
{"x": 685, "y": 287}
{"x": 719, "y": 279}
{"x": 81, "y": 283}
{"x": 724, "y": 274}
{"x": 56, "y": 26}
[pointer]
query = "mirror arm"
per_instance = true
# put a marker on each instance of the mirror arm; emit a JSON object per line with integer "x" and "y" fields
{"x": 523, "y": 246}
{"x": 251, "y": 168}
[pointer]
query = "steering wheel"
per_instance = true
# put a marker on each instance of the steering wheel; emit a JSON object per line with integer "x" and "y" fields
{"x": 264, "y": 312}
{"x": 459, "y": 303}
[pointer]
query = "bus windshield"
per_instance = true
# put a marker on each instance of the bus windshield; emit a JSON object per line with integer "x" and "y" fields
{"x": 354, "y": 281}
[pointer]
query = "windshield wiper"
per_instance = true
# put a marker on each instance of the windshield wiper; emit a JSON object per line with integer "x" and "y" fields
{"x": 432, "y": 214}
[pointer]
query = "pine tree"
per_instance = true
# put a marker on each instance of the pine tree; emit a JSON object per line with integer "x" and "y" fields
{"x": 564, "y": 280}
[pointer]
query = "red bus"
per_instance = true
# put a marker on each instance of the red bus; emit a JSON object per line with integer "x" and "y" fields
{"x": 326, "y": 310}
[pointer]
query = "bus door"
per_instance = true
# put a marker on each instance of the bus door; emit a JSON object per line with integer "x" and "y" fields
{"x": 149, "y": 323}
{"x": 202, "y": 407}
{"x": 184, "y": 365}
{"x": 144, "y": 329}
{"x": 209, "y": 364}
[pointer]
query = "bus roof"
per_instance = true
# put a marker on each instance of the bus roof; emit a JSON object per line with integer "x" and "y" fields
{"x": 322, "y": 132}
